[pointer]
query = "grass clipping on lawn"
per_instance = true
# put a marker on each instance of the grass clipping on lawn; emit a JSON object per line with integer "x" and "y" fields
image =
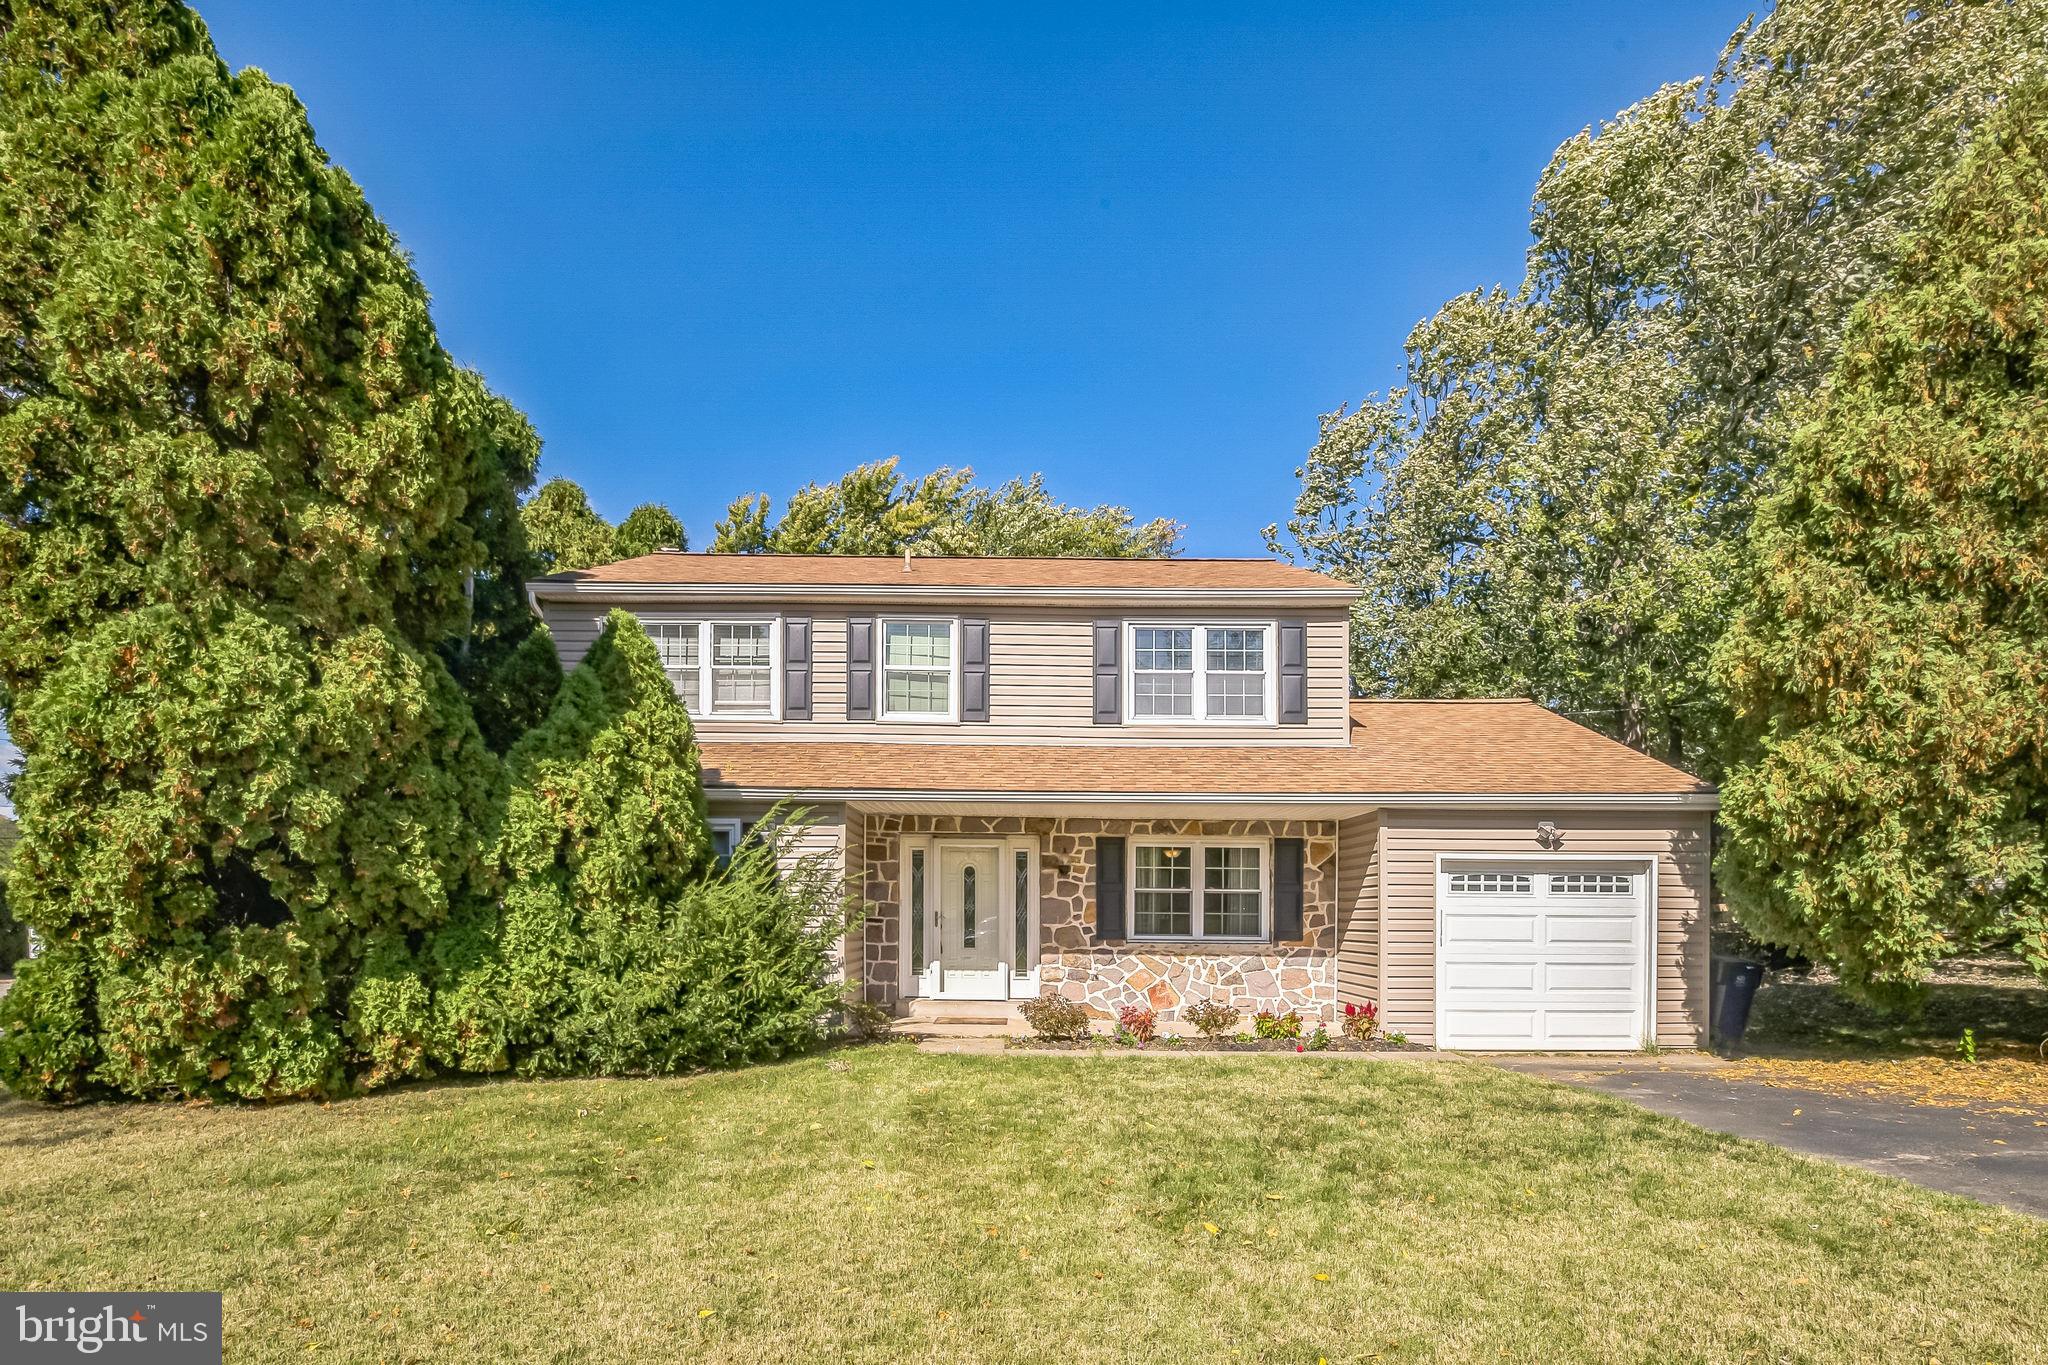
{"x": 881, "y": 1204}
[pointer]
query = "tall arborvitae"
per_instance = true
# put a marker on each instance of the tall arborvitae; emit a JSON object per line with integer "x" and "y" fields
{"x": 242, "y": 489}
{"x": 604, "y": 831}
{"x": 1891, "y": 672}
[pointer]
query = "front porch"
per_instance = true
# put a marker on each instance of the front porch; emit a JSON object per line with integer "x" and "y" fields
{"x": 1001, "y": 907}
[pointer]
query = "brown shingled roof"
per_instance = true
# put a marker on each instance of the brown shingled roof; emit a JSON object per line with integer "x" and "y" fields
{"x": 939, "y": 571}
{"x": 1397, "y": 749}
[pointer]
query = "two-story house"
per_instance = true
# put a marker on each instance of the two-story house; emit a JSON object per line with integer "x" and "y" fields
{"x": 1146, "y": 781}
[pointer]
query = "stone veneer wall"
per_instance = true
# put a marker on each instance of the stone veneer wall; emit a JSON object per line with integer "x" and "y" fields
{"x": 1297, "y": 975}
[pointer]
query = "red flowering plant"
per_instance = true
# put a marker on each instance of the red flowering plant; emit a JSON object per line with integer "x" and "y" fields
{"x": 1362, "y": 1022}
{"x": 1141, "y": 1022}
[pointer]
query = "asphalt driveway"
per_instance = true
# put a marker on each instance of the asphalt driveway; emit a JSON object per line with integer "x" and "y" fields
{"x": 1974, "y": 1151}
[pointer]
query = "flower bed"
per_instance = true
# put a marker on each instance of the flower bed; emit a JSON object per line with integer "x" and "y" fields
{"x": 1243, "y": 1042}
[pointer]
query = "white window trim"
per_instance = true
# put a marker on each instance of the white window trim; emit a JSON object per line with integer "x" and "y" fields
{"x": 732, "y": 826}
{"x": 951, "y": 715}
{"x": 704, "y": 621}
{"x": 1198, "y": 849}
{"x": 1270, "y": 633}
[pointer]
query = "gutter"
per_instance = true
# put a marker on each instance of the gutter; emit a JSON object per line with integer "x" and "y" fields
{"x": 1501, "y": 800}
{"x": 541, "y": 589}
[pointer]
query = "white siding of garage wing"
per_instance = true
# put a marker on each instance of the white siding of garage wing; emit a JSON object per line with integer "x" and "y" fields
{"x": 1412, "y": 840}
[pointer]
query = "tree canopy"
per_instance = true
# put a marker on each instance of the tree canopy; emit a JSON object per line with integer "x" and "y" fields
{"x": 1890, "y": 667}
{"x": 1556, "y": 501}
{"x": 873, "y": 510}
{"x": 563, "y": 531}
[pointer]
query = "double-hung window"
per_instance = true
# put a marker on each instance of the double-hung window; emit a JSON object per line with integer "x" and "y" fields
{"x": 742, "y": 667}
{"x": 917, "y": 670}
{"x": 680, "y": 645}
{"x": 1197, "y": 889}
{"x": 1201, "y": 672}
{"x": 719, "y": 668}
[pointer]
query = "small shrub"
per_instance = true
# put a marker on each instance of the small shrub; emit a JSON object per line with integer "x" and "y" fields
{"x": 1212, "y": 1018}
{"x": 1140, "y": 1021}
{"x": 1396, "y": 1038}
{"x": 1362, "y": 1022}
{"x": 1967, "y": 1049}
{"x": 1055, "y": 1020}
{"x": 864, "y": 1020}
{"x": 1270, "y": 1025}
{"x": 1319, "y": 1040}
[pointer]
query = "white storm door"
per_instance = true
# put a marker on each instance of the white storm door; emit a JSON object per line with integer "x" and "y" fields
{"x": 1542, "y": 956}
{"x": 971, "y": 962}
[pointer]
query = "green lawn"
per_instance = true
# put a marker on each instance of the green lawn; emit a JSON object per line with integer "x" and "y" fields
{"x": 882, "y": 1204}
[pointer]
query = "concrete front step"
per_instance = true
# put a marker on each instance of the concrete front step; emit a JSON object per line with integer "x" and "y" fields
{"x": 959, "y": 1019}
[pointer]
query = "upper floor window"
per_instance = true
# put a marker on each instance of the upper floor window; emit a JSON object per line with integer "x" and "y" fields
{"x": 742, "y": 667}
{"x": 678, "y": 644}
{"x": 917, "y": 670}
{"x": 1201, "y": 672}
{"x": 719, "y": 668}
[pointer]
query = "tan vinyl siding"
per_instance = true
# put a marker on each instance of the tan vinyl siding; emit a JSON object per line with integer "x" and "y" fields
{"x": 1358, "y": 909}
{"x": 1412, "y": 839}
{"x": 1040, "y": 676}
{"x": 575, "y": 626}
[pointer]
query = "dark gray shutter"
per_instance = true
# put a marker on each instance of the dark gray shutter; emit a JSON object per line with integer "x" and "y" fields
{"x": 1293, "y": 673}
{"x": 1108, "y": 677}
{"x": 796, "y": 667}
{"x": 974, "y": 670}
{"x": 1109, "y": 889}
{"x": 860, "y": 668}
{"x": 1287, "y": 859}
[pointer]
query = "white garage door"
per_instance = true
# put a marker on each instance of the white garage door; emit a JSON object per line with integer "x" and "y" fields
{"x": 1537, "y": 955}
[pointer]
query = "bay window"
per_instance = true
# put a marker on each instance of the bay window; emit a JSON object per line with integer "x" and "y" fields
{"x": 1201, "y": 672}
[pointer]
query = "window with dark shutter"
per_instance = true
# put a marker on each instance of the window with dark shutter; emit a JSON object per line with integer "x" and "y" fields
{"x": 1109, "y": 889}
{"x": 1287, "y": 866}
{"x": 1109, "y": 683}
{"x": 796, "y": 668}
{"x": 973, "y": 670}
{"x": 860, "y": 668}
{"x": 1293, "y": 673}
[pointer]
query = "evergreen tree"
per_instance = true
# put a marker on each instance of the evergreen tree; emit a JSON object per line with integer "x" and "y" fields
{"x": 1888, "y": 674}
{"x": 242, "y": 492}
{"x": 604, "y": 831}
{"x": 647, "y": 528}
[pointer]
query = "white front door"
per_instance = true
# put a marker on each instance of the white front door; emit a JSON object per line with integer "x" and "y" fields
{"x": 972, "y": 964}
{"x": 1542, "y": 955}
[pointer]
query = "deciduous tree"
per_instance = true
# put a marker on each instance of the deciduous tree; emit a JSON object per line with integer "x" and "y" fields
{"x": 873, "y": 510}
{"x": 1556, "y": 501}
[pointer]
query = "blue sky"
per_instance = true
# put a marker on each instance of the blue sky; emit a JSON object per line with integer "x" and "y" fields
{"x": 721, "y": 249}
{"x": 713, "y": 250}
